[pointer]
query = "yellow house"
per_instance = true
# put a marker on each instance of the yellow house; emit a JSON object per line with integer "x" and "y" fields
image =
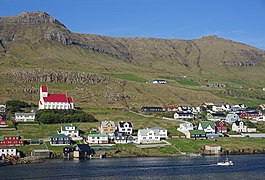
{"x": 107, "y": 127}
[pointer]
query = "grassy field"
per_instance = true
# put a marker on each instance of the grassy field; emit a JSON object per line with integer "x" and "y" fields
{"x": 129, "y": 77}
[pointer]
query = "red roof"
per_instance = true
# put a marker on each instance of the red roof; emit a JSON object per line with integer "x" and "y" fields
{"x": 44, "y": 88}
{"x": 171, "y": 107}
{"x": 56, "y": 98}
{"x": 70, "y": 99}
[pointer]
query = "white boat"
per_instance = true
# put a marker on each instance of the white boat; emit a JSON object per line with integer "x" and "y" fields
{"x": 226, "y": 162}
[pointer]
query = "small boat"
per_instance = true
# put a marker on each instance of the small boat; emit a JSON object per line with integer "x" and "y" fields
{"x": 226, "y": 162}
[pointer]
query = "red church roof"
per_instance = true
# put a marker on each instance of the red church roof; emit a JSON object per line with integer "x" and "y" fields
{"x": 44, "y": 88}
{"x": 70, "y": 99}
{"x": 56, "y": 98}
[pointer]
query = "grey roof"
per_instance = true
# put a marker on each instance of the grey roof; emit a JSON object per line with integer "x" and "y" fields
{"x": 144, "y": 132}
{"x": 24, "y": 114}
{"x": 158, "y": 128}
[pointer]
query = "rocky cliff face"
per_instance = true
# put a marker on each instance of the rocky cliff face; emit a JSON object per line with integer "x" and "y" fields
{"x": 56, "y": 76}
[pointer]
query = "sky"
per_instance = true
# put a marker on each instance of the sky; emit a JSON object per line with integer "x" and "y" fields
{"x": 238, "y": 20}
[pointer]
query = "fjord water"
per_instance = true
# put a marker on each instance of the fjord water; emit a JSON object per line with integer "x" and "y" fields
{"x": 245, "y": 167}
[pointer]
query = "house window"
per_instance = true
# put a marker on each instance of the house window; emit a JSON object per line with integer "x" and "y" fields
{"x": 150, "y": 137}
{"x": 156, "y": 137}
{"x": 144, "y": 137}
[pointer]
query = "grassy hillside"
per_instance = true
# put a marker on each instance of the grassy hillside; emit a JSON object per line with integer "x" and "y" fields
{"x": 192, "y": 68}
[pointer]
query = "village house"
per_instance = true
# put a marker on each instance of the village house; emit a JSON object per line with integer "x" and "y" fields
{"x": 159, "y": 81}
{"x": 152, "y": 109}
{"x": 11, "y": 140}
{"x": 152, "y": 135}
{"x": 207, "y": 106}
{"x": 120, "y": 138}
{"x": 207, "y": 126}
{"x": 262, "y": 106}
{"x": 185, "y": 127}
{"x": 83, "y": 151}
{"x": 239, "y": 126}
{"x": 162, "y": 131}
{"x": 148, "y": 136}
{"x": 216, "y": 108}
{"x": 125, "y": 127}
{"x": 221, "y": 108}
{"x": 250, "y": 114}
{"x": 171, "y": 108}
{"x": 196, "y": 134}
{"x": 216, "y": 116}
{"x": 212, "y": 149}
{"x": 221, "y": 126}
{"x": 11, "y": 151}
{"x": 98, "y": 138}
{"x": 185, "y": 109}
{"x": 107, "y": 127}
{"x": 2, "y": 108}
{"x": 260, "y": 118}
{"x": 238, "y": 107}
{"x": 183, "y": 115}
{"x": 60, "y": 140}
{"x": 3, "y": 122}
{"x": 24, "y": 117}
{"x": 71, "y": 131}
{"x": 231, "y": 117}
{"x": 54, "y": 101}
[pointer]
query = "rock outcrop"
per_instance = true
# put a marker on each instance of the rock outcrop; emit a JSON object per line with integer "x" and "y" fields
{"x": 57, "y": 76}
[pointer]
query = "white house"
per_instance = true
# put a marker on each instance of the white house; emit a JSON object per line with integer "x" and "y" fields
{"x": 125, "y": 127}
{"x": 239, "y": 126}
{"x": 54, "y": 101}
{"x": 183, "y": 115}
{"x": 70, "y": 130}
{"x": 148, "y": 136}
{"x": 120, "y": 138}
{"x": 162, "y": 131}
{"x": 231, "y": 118}
{"x": 24, "y": 117}
{"x": 185, "y": 127}
{"x": 216, "y": 108}
{"x": 151, "y": 135}
{"x": 157, "y": 81}
{"x": 262, "y": 106}
{"x": 260, "y": 118}
{"x": 238, "y": 107}
{"x": 207, "y": 126}
{"x": 2, "y": 108}
{"x": 4, "y": 151}
{"x": 98, "y": 138}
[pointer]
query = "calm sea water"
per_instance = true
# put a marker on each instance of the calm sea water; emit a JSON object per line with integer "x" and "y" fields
{"x": 245, "y": 167}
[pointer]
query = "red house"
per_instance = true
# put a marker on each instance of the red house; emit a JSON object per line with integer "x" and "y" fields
{"x": 11, "y": 140}
{"x": 171, "y": 108}
{"x": 221, "y": 126}
{"x": 250, "y": 115}
{"x": 2, "y": 122}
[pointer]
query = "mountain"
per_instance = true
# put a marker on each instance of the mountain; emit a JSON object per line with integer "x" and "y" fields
{"x": 101, "y": 71}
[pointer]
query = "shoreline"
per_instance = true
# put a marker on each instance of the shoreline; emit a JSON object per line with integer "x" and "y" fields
{"x": 36, "y": 160}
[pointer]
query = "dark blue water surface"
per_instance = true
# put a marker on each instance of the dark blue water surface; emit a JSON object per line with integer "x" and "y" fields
{"x": 245, "y": 167}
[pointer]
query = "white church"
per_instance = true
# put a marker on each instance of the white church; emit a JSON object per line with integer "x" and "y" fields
{"x": 54, "y": 101}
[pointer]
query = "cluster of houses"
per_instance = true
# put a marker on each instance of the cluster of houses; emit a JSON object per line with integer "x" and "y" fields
{"x": 217, "y": 118}
{"x": 109, "y": 133}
